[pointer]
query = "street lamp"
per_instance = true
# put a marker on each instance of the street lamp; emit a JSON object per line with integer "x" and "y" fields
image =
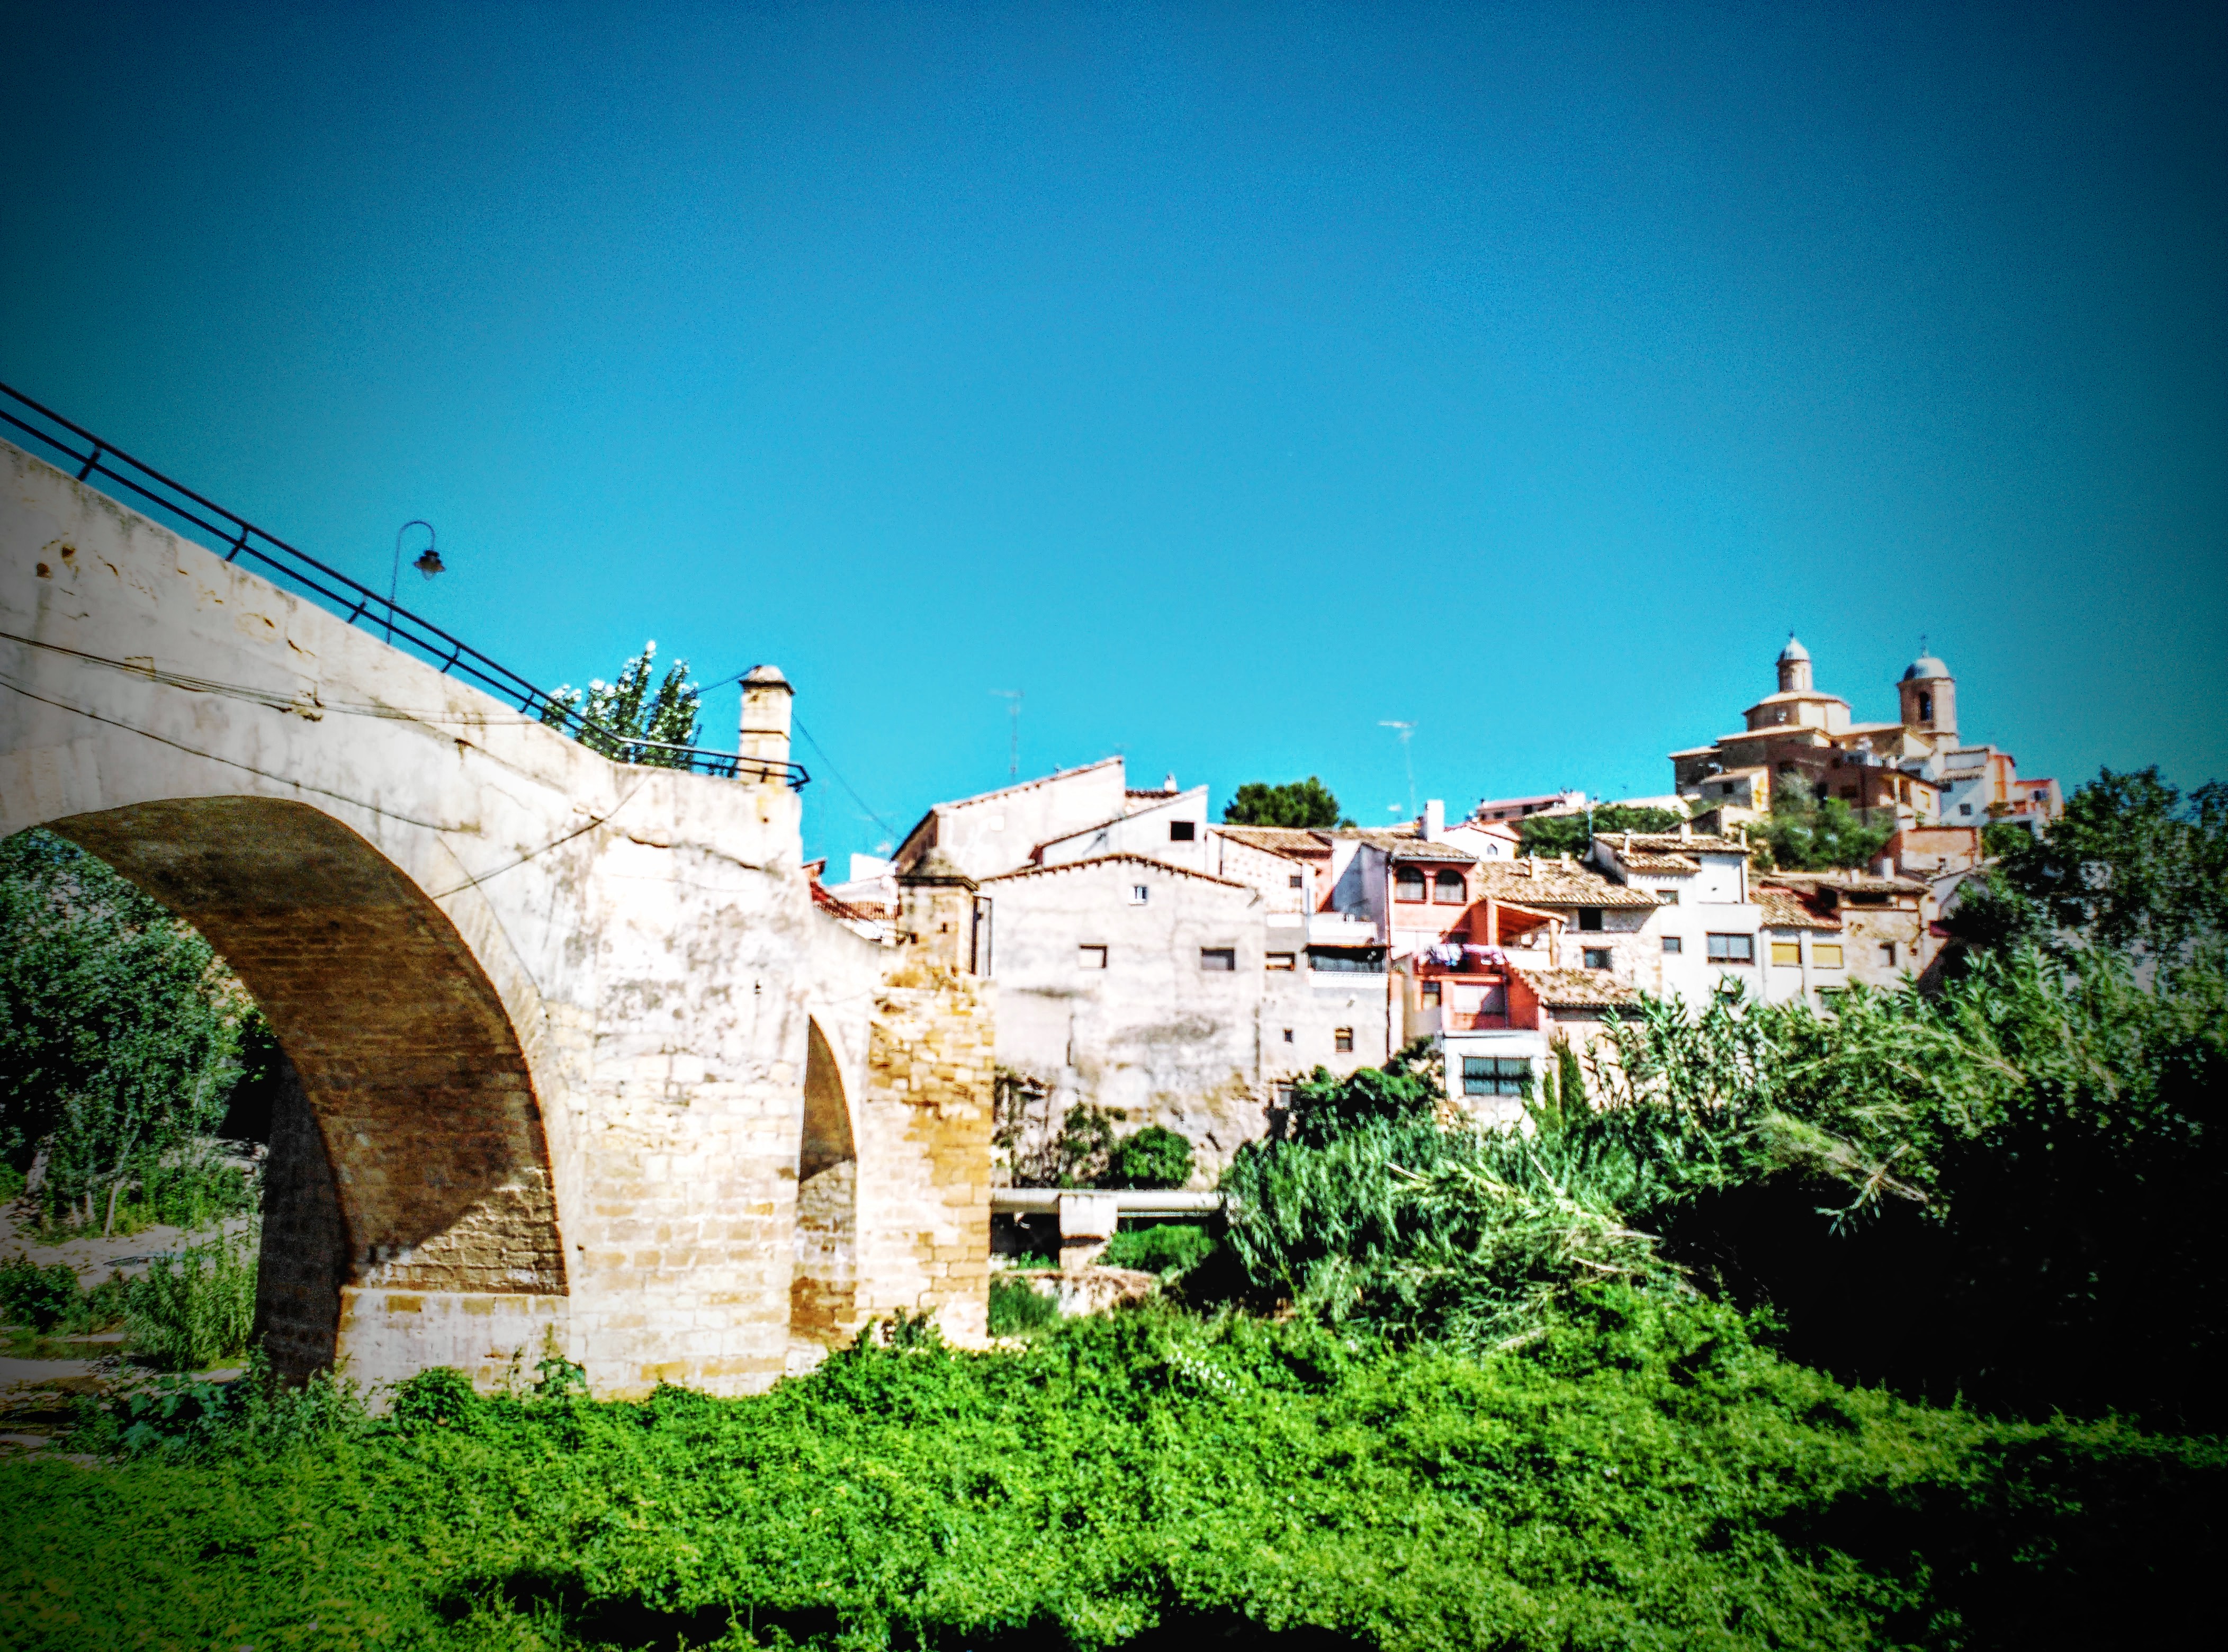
{"x": 428, "y": 564}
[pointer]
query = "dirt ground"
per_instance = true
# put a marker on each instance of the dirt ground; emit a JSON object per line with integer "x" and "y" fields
{"x": 35, "y": 1394}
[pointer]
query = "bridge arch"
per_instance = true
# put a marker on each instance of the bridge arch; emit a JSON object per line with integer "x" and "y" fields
{"x": 408, "y": 1150}
{"x": 823, "y": 1289}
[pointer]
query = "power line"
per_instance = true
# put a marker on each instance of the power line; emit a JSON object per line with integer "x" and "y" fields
{"x": 838, "y": 775}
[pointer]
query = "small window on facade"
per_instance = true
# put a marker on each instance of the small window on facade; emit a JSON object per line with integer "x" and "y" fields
{"x": 1288, "y": 1035}
{"x": 1284, "y": 1089}
{"x": 1598, "y": 958}
{"x": 1407, "y": 883}
{"x": 1827, "y": 955}
{"x": 1887, "y": 953}
{"x": 1668, "y": 897}
{"x": 1342, "y": 1040}
{"x": 1673, "y": 943}
{"x": 1179, "y": 831}
{"x": 1447, "y": 888}
{"x": 1221, "y": 959}
{"x": 1433, "y": 995}
{"x": 1495, "y": 1075}
{"x": 1733, "y": 949}
{"x": 1787, "y": 952}
{"x": 1964, "y": 808}
{"x": 1139, "y": 895}
{"x": 1090, "y": 957}
{"x": 1589, "y": 917}
{"x": 1297, "y": 882}
{"x": 1281, "y": 961}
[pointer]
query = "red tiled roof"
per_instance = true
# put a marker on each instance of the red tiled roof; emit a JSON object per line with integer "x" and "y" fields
{"x": 1580, "y": 988}
{"x": 1104, "y": 859}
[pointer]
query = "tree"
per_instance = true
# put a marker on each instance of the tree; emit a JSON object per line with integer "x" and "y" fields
{"x": 1547, "y": 836}
{"x": 1807, "y": 833}
{"x": 1405, "y": 1090}
{"x": 1306, "y": 802}
{"x": 1155, "y": 1156}
{"x": 2131, "y": 866}
{"x": 121, "y": 1034}
{"x": 628, "y": 720}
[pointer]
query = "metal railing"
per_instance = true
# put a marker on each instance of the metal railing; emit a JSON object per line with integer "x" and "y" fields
{"x": 238, "y": 540}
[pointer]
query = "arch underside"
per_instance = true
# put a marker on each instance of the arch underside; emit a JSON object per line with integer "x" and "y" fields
{"x": 409, "y": 1152}
{"x": 824, "y": 1287}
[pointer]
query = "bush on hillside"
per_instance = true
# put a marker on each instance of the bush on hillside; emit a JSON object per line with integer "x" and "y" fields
{"x": 1155, "y": 1156}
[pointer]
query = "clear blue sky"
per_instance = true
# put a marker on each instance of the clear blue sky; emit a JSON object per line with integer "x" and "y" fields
{"x": 1227, "y": 379}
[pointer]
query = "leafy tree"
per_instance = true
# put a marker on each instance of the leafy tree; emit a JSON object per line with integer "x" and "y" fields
{"x": 630, "y": 719}
{"x": 1406, "y": 1089}
{"x": 1155, "y": 1156}
{"x": 1547, "y": 836}
{"x": 1807, "y": 833}
{"x": 121, "y": 1035}
{"x": 1306, "y": 802}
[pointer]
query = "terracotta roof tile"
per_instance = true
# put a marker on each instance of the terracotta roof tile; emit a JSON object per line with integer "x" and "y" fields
{"x": 1783, "y": 911}
{"x": 1671, "y": 843}
{"x": 1580, "y": 988}
{"x": 1553, "y": 883}
{"x": 1106, "y": 860}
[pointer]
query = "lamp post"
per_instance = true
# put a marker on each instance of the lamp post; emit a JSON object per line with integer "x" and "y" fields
{"x": 428, "y": 564}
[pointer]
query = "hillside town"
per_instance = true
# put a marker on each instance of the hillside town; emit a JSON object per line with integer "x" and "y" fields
{"x": 1169, "y": 969}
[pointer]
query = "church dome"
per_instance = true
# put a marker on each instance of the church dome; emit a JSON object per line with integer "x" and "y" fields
{"x": 1924, "y": 666}
{"x": 1793, "y": 651}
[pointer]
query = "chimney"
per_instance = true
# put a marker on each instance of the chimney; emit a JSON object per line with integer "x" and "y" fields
{"x": 1435, "y": 821}
{"x": 1686, "y": 831}
{"x": 765, "y": 741}
{"x": 1168, "y": 784}
{"x": 937, "y": 912}
{"x": 1884, "y": 868}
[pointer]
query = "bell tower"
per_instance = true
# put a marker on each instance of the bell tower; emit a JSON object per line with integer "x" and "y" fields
{"x": 1794, "y": 667}
{"x": 1930, "y": 698}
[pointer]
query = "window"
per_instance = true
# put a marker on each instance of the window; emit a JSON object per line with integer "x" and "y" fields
{"x": 1668, "y": 897}
{"x": 1887, "y": 953}
{"x": 1342, "y": 1040}
{"x": 1288, "y": 1035}
{"x": 1407, "y": 883}
{"x": 1496, "y": 1075}
{"x": 1827, "y": 955}
{"x": 1433, "y": 995}
{"x": 1787, "y": 953}
{"x": 1090, "y": 958}
{"x": 1179, "y": 831}
{"x": 1830, "y": 997}
{"x": 1280, "y": 960}
{"x": 1964, "y": 808}
{"x": 1139, "y": 895}
{"x": 1733, "y": 949}
{"x": 1598, "y": 958}
{"x": 1589, "y": 917}
{"x": 1447, "y": 888}
{"x": 1673, "y": 943}
{"x": 1221, "y": 959}
{"x": 1284, "y": 1088}
{"x": 1925, "y": 707}
{"x": 1297, "y": 882}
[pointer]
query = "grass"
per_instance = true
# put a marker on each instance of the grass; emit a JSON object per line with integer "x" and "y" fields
{"x": 1642, "y": 1474}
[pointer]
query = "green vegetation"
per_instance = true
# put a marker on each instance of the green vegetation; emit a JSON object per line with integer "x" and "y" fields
{"x": 1166, "y": 1248}
{"x": 124, "y": 1041}
{"x": 1807, "y": 833}
{"x": 195, "y": 1308}
{"x": 1545, "y": 837}
{"x": 1306, "y": 802}
{"x": 1643, "y": 1472}
{"x": 1155, "y": 1156}
{"x": 1016, "y": 1310}
{"x": 45, "y": 1301}
{"x": 632, "y": 710}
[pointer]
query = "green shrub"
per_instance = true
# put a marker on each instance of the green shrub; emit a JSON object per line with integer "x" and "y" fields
{"x": 1166, "y": 1248}
{"x": 1155, "y": 1156}
{"x": 1017, "y": 1310}
{"x": 35, "y": 1297}
{"x": 194, "y": 1309}
{"x": 1406, "y": 1089}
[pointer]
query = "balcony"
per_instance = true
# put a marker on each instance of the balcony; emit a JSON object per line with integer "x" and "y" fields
{"x": 1342, "y": 928}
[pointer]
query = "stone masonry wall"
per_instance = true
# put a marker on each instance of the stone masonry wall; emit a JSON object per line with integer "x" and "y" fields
{"x": 924, "y": 1233}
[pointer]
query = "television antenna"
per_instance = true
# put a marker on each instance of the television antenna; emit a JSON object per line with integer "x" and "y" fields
{"x": 1407, "y": 761}
{"x": 1013, "y": 699}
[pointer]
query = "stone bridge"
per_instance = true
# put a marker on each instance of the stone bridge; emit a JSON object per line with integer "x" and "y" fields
{"x": 573, "y": 1055}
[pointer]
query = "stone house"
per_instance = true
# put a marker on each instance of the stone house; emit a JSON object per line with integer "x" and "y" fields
{"x": 1884, "y": 925}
